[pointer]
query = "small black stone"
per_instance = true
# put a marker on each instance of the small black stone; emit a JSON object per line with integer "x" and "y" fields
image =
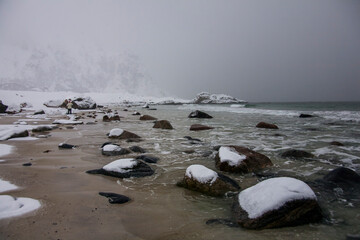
{"x": 115, "y": 198}
{"x": 27, "y": 164}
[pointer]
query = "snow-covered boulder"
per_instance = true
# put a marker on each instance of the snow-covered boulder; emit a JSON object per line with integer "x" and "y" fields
{"x": 54, "y": 103}
{"x": 113, "y": 150}
{"x": 12, "y": 206}
{"x": 276, "y": 202}
{"x": 124, "y": 168}
{"x": 207, "y": 98}
{"x": 199, "y": 114}
{"x": 12, "y": 109}
{"x": 239, "y": 159}
{"x": 84, "y": 103}
{"x": 119, "y": 133}
{"x": 163, "y": 124}
{"x": 202, "y": 179}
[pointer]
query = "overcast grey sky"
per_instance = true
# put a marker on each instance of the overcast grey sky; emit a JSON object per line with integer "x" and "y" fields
{"x": 270, "y": 50}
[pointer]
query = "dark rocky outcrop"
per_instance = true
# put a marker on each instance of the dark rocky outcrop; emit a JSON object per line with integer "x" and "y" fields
{"x": 163, "y": 124}
{"x": 147, "y": 118}
{"x": 199, "y": 114}
{"x": 137, "y": 149}
{"x": 297, "y": 154}
{"x": 140, "y": 170}
{"x": 253, "y": 161}
{"x": 23, "y": 133}
{"x": 304, "y": 115}
{"x": 66, "y": 146}
{"x": 148, "y": 159}
{"x": 266, "y": 125}
{"x": 343, "y": 177}
{"x": 115, "y": 198}
{"x": 218, "y": 188}
{"x": 3, "y": 107}
{"x": 199, "y": 127}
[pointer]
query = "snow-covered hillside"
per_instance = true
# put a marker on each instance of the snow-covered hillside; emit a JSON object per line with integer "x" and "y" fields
{"x": 86, "y": 70}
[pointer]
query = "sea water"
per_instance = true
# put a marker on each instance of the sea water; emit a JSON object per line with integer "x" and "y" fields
{"x": 161, "y": 210}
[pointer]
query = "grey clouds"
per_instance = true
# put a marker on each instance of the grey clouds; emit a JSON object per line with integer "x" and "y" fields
{"x": 275, "y": 50}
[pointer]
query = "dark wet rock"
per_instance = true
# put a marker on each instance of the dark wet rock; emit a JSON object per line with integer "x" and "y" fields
{"x": 115, "y": 198}
{"x": 3, "y": 107}
{"x": 221, "y": 221}
{"x": 304, "y": 115}
{"x": 312, "y": 129}
{"x": 297, "y": 154}
{"x": 295, "y": 206}
{"x": 139, "y": 170}
{"x": 344, "y": 177}
{"x": 147, "y": 118}
{"x": 24, "y": 133}
{"x": 335, "y": 143}
{"x": 123, "y": 135}
{"x": 107, "y": 118}
{"x": 136, "y": 114}
{"x": 252, "y": 161}
{"x": 39, "y": 112}
{"x": 113, "y": 150}
{"x": 190, "y": 151}
{"x": 66, "y": 146}
{"x": 206, "y": 153}
{"x": 148, "y": 159}
{"x": 27, "y": 164}
{"x": 46, "y": 151}
{"x": 352, "y": 237}
{"x": 199, "y": 114}
{"x": 199, "y": 127}
{"x": 90, "y": 123}
{"x": 43, "y": 128}
{"x": 266, "y": 125}
{"x": 214, "y": 186}
{"x": 192, "y": 139}
{"x": 163, "y": 124}
{"x": 132, "y": 140}
{"x": 137, "y": 149}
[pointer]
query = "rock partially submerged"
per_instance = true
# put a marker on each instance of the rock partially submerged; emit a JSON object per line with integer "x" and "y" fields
{"x": 147, "y": 118}
{"x": 115, "y": 198}
{"x": 111, "y": 117}
{"x": 66, "y": 146}
{"x": 3, "y": 107}
{"x": 137, "y": 149}
{"x": 148, "y": 159}
{"x": 202, "y": 179}
{"x": 239, "y": 159}
{"x": 276, "y": 202}
{"x": 43, "y": 128}
{"x": 207, "y": 98}
{"x": 297, "y": 154}
{"x": 163, "y": 124}
{"x": 199, "y": 114}
{"x": 111, "y": 149}
{"x": 266, "y": 125}
{"x": 119, "y": 133}
{"x": 199, "y": 127}
{"x": 124, "y": 168}
{"x": 305, "y": 115}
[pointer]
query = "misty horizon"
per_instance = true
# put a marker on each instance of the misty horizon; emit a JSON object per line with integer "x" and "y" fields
{"x": 273, "y": 51}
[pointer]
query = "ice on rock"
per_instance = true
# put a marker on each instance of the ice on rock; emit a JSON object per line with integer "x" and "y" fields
{"x": 201, "y": 173}
{"x": 272, "y": 194}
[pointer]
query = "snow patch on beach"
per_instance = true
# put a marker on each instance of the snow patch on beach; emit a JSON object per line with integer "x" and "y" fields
{"x": 5, "y": 149}
{"x": 6, "y": 186}
{"x": 272, "y": 194}
{"x": 12, "y": 207}
{"x": 201, "y": 174}
{"x": 121, "y": 165}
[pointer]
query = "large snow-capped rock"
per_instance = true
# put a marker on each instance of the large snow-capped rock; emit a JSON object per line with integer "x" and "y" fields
{"x": 207, "y": 98}
{"x": 111, "y": 149}
{"x": 239, "y": 159}
{"x": 276, "y": 202}
{"x": 124, "y": 168}
{"x": 121, "y": 134}
{"x": 202, "y": 179}
{"x": 84, "y": 103}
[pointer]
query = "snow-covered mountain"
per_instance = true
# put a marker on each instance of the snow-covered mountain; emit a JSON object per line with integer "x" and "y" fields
{"x": 55, "y": 69}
